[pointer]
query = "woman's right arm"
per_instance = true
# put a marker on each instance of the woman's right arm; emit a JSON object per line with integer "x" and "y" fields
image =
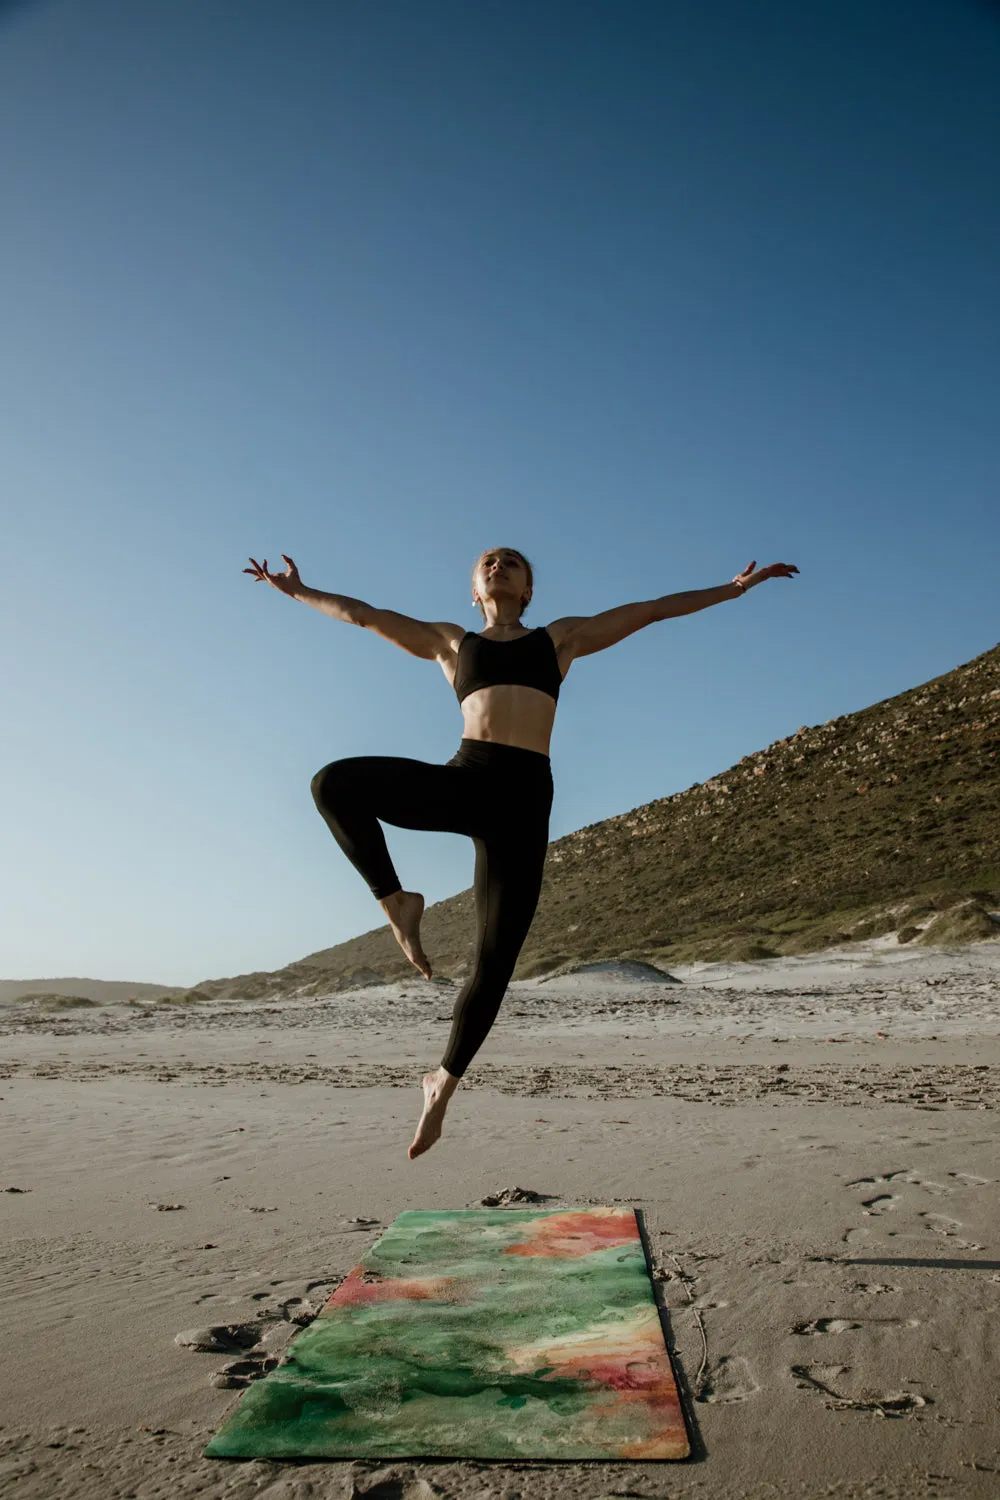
{"x": 419, "y": 637}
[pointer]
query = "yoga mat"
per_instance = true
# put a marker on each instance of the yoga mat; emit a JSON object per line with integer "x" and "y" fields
{"x": 477, "y": 1333}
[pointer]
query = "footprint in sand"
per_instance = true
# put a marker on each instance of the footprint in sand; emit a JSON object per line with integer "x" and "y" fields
{"x": 729, "y": 1379}
{"x": 846, "y": 1325}
{"x": 880, "y": 1204}
{"x": 240, "y": 1372}
{"x": 821, "y": 1378}
{"x": 324, "y": 1285}
{"x": 222, "y": 1338}
{"x": 901, "y": 1175}
{"x": 391, "y": 1483}
{"x": 825, "y": 1325}
{"x": 940, "y": 1224}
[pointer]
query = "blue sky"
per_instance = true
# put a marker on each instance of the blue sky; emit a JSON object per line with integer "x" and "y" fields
{"x": 645, "y": 290}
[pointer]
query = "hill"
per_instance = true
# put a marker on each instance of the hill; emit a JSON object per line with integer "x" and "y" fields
{"x": 879, "y": 821}
{"x": 97, "y": 991}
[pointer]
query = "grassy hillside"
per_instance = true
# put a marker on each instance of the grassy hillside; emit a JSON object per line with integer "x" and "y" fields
{"x": 877, "y": 821}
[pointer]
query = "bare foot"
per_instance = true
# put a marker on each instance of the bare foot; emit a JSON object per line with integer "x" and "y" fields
{"x": 438, "y": 1089}
{"x": 404, "y": 910}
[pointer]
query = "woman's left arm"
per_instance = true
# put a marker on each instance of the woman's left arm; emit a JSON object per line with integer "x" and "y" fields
{"x": 586, "y": 634}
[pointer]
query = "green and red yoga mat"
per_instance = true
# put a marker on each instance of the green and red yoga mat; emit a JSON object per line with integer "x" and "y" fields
{"x": 478, "y": 1333}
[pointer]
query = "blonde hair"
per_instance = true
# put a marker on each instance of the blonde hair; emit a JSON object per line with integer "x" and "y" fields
{"x": 528, "y": 568}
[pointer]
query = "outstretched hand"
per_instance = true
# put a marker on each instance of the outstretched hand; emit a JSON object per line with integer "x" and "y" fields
{"x": 287, "y": 582}
{"x": 774, "y": 570}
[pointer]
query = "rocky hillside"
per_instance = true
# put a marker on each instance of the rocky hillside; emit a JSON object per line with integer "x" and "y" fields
{"x": 879, "y": 821}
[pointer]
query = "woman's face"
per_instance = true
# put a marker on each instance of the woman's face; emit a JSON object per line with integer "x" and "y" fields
{"x": 501, "y": 574}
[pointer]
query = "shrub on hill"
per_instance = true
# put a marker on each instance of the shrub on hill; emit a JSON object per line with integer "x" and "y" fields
{"x": 46, "y": 1001}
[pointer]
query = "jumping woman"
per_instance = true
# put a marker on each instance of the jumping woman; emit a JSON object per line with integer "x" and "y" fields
{"x": 497, "y": 790}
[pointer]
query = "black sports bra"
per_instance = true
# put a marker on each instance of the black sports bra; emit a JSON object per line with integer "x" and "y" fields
{"x": 484, "y": 663}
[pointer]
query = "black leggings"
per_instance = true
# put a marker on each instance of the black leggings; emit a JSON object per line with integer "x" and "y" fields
{"x": 500, "y": 796}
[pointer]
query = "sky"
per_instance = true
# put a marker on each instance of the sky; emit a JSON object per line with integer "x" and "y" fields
{"x": 646, "y": 290}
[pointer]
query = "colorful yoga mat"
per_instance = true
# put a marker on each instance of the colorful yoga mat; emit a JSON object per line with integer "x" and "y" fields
{"x": 478, "y": 1333}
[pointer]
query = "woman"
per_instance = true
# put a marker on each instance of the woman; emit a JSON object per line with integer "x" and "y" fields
{"x": 497, "y": 789}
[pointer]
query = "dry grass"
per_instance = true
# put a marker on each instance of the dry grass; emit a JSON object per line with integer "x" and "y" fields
{"x": 46, "y": 1000}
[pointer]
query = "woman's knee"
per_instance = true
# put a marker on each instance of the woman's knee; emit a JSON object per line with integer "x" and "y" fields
{"x": 335, "y": 781}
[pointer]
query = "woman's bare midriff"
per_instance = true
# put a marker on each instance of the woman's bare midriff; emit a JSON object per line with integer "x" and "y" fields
{"x": 507, "y": 713}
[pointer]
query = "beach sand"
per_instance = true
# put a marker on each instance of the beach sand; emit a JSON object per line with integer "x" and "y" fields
{"x": 813, "y": 1145}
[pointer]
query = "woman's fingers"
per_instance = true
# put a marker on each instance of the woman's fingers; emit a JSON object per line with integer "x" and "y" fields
{"x": 261, "y": 574}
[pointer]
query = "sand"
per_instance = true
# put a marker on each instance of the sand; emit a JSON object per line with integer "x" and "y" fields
{"x": 812, "y": 1144}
